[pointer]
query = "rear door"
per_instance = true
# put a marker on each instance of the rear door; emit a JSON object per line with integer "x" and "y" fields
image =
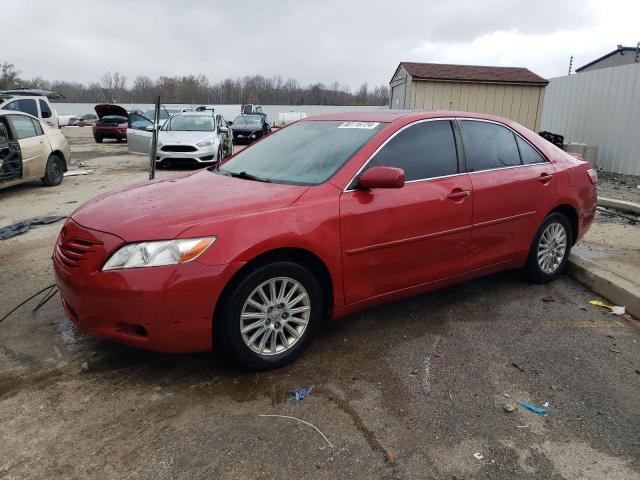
{"x": 10, "y": 156}
{"x": 139, "y": 134}
{"x": 511, "y": 194}
{"x": 399, "y": 238}
{"x": 34, "y": 145}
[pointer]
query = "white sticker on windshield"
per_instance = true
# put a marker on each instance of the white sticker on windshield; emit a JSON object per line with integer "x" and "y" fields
{"x": 365, "y": 125}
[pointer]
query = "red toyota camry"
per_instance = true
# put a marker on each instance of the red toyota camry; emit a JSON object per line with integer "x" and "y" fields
{"x": 330, "y": 215}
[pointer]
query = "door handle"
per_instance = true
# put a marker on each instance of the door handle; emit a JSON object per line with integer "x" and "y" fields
{"x": 458, "y": 194}
{"x": 545, "y": 177}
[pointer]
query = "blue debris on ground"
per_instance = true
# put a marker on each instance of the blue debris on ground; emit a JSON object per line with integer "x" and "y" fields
{"x": 299, "y": 394}
{"x": 533, "y": 408}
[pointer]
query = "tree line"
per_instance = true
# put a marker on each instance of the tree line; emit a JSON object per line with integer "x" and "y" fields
{"x": 197, "y": 89}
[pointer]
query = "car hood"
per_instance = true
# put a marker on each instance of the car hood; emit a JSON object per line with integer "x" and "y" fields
{"x": 105, "y": 109}
{"x": 187, "y": 138}
{"x": 246, "y": 128}
{"x": 162, "y": 209}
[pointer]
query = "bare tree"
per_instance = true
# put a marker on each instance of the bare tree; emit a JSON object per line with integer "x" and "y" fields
{"x": 8, "y": 75}
{"x": 114, "y": 85}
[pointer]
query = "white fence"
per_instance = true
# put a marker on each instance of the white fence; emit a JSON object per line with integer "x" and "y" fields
{"x": 602, "y": 108}
{"x": 228, "y": 111}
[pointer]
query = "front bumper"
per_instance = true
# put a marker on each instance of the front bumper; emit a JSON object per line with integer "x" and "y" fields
{"x": 246, "y": 137}
{"x": 166, "y": 309}
{"x": 110, "y": 132}
{"x": 200, "y": 155}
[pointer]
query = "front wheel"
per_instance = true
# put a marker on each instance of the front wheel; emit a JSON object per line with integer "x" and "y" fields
{"x": 271, "y": 316}
{"x": 98, "y": 139}
{"x": 550, "y": 249}
{"x": 54, "y": 171}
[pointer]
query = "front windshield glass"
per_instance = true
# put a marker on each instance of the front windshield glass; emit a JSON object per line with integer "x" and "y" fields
{"x": 163, "y": 113}
{"x": 244, "y": 120}
{"x": 189, "y": 123}
{"x": 306, "y": 153}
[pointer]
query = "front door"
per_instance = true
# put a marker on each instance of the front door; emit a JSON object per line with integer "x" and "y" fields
{"x": 139, "y": 134}
{"x": 34, "y": 145}
{"x": 398, "y": 238}
{"x": 513, "y": 188}
{"x": 10, "y": 156}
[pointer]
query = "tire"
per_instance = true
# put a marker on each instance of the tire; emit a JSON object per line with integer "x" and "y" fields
{"x": 54, "y": 171}
{"x": 555, "y": 232}
{"x": 255, "y": 349}
{"x": 98, "y": 139}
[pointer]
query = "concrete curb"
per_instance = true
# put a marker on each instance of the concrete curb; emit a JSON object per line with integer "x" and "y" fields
{"x": 605, "y": 283}
{"x": 621, "y": 205}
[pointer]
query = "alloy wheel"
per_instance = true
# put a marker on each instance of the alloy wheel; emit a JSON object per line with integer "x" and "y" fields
{"x": 275, "y": 316}
{"x": 552, "y": 247}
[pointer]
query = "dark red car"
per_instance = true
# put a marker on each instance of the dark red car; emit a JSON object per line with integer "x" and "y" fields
{"x": 328, "y": 216}
{"x": 112, "y": 123}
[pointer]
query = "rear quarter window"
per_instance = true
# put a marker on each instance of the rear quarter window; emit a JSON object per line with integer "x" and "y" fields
{"x": 44, "y": 109}
{"x": 528, "y": 154}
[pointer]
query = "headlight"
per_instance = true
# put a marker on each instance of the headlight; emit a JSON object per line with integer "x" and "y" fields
{"x": 253, "y": 135}
{"x": 206, "y": 143}
{"x": 153, "y": 254}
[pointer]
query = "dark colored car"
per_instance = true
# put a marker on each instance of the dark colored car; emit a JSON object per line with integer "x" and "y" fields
{"x": 83, "y": 120}
{"x": 248, "y": 128}
{"x": 112, "y": 122}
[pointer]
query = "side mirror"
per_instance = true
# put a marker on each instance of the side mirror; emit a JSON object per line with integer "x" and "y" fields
{"x": 149, "y": 128}
{"x": 382, "y": 177}
{"x": 3, "y": 140}
{"x": 230, "y": 122}
{"x": 224, "y": 130}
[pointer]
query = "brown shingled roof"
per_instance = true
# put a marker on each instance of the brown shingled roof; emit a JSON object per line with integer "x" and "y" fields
{"x": 472, "y": 73}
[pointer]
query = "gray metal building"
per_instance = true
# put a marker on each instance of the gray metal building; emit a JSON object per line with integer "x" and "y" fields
{"x": 619, "y": 56}
{"x": 510, "y": 92}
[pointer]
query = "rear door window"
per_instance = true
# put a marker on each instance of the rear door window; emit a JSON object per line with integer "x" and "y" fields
{"x": 488, "y": 146}
{"x": 424, "y": 150}
{"x": 44, "y": 109}
{"x": 23, "y": 126}
{"x": 528, "y": 154}
{"x": 26, "y": 105}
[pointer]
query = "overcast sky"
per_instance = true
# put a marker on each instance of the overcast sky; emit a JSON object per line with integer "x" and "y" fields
{"x": 312, "y": 41}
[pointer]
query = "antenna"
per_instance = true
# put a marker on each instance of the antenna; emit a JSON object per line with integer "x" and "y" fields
{"x": 570, "y": 64}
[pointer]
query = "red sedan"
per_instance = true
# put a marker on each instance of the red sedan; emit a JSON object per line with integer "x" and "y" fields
{"x": 328, "y": 216}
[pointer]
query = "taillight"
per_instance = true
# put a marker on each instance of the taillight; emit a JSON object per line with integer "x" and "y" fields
{"x": 593, "y": 175}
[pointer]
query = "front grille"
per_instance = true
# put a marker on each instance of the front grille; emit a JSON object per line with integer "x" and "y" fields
{"x": 73, "y": 251}
{"x": 178, "y": 148}
{"x": 107, "y": 124}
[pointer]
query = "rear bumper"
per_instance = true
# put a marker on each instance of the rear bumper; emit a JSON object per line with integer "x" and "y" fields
{"x": 165, "y": 309}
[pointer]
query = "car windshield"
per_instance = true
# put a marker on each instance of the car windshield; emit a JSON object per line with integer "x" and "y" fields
{"x": 244, "y": 120}
{"x": 164, "y": 113}
{"x": 306, "y": 153}
{"x": 189, "y": 123}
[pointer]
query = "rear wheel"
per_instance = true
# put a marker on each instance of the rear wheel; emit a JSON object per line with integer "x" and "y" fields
{"x": 54, "y": 171}
{"x": 550, "y": 249}
{"x": 271, "y": 316}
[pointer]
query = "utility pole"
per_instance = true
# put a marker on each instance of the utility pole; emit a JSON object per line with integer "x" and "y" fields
{"x": 570, "y": 64}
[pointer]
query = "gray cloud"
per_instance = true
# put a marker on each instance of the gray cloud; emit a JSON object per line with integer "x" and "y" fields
{"x": 347, "y": 41}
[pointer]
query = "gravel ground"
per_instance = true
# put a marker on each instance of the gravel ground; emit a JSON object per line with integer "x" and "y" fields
{"x": 414, "y": 389}
{"x": 618, "y": 186}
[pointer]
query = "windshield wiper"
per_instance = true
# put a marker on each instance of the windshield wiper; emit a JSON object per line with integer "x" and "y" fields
{"x": 248, "y": 176}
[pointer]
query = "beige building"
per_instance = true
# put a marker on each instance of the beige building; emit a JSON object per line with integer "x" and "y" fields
{"x": 514, "y": 93}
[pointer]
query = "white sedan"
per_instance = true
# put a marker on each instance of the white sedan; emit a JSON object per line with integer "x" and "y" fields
{"x": 185, "y": 138}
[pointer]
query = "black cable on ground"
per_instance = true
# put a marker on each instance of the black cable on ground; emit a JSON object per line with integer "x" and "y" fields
{"x": 51, "y": 288}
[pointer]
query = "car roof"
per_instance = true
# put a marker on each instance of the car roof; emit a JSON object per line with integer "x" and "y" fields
{"x": 404, "y": 115}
